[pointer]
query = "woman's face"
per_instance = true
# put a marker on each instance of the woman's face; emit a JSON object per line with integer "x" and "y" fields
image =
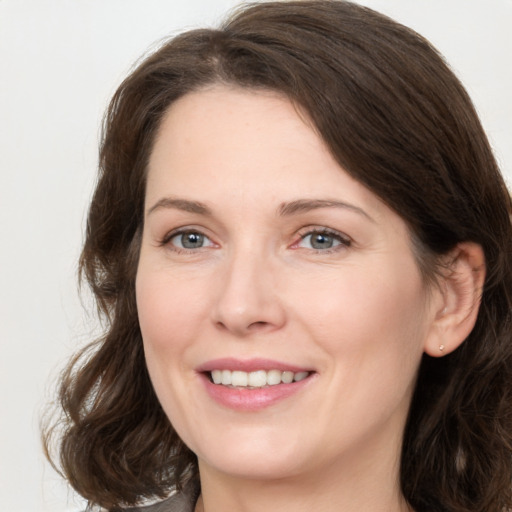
{"x": 265, "y": 266}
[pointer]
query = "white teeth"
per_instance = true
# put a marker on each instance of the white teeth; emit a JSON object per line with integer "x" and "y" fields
{"x": 256, "y": 379}
{"x": 239, "y": 379}
{"x": 287, "y": 377}
{"x": 226, "y": 378}
{"x": 274, "y": 377}
{"x": 217, "y": 376}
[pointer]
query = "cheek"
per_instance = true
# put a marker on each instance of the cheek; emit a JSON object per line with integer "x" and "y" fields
{"x": 167, "y": 310}
{"x": 168, "y": 323}
{"x": 364, "y": 311}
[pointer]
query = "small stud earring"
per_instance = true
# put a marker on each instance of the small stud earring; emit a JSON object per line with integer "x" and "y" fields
{"x": 441, "y": 348}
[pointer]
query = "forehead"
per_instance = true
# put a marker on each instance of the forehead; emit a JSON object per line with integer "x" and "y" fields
{"x": 219, "y": 124}
{"x": 252, "y": 145}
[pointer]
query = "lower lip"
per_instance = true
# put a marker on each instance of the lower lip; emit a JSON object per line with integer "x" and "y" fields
{"x": 254, "y": 399}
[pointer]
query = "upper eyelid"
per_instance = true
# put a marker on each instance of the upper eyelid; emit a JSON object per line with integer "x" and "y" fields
{"x": 303, "y": 232}
{"x": 169, "y": 235}
{"x": 345, "y": 241}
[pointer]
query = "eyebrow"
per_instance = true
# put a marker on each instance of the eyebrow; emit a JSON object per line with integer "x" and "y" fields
{"x": 306, "y": 205}
{"x": 284, "y": 210}
{"x": 180, "y": 204}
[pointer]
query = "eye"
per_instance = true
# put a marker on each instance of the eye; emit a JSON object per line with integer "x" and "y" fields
{"x": 322, "y": 240}
{"x": 189, "y": 240}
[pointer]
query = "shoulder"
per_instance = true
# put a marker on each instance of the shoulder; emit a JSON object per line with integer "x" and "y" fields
{"x": 183, "y": 501}
{"x": 175, "y": 503}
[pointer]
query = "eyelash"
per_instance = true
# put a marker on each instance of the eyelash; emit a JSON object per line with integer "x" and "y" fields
{"x": 344, "y": 241}
{"x": 165, "y": 241}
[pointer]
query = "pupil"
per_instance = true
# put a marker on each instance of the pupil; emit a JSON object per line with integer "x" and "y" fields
{"x": 320, "y": 241}
{"x": 192, "y": 240}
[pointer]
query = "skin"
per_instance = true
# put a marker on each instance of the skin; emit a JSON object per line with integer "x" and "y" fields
{"x": 358, "y": 314}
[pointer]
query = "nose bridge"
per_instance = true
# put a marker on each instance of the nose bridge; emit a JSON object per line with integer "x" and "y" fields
{"x": 247, "y": 300}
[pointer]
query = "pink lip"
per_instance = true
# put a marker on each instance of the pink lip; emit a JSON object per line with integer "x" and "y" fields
{"x": 241, "y": 399}
{"x": 250, "y": 365}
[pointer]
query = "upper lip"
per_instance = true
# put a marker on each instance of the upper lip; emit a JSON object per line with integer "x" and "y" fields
{"x": 249, "y": 365}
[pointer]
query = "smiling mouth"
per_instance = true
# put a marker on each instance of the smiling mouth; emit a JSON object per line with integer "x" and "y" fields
{"x": 255, "y": 380}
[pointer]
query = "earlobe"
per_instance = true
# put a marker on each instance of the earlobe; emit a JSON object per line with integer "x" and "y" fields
{"x": 460, "y": 291}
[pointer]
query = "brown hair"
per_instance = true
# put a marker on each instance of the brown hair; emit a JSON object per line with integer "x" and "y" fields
{"x": 398, "y": 120}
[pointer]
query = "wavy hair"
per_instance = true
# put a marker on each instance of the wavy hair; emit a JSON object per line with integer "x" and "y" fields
{"x": 397, "y": 120}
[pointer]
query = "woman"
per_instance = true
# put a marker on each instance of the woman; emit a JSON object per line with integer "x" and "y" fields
{"x": 302, "y": 242}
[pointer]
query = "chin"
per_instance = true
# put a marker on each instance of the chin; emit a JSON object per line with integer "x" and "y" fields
{"x": 257, "y": 466}
{"x": 264, "y": 456}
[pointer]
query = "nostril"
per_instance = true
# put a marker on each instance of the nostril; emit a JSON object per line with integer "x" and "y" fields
{"x": 257, "y": 325}
{"x": 221, "y": 326}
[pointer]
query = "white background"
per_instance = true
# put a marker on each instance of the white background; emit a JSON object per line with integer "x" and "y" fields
{"x": 60, "y": 61}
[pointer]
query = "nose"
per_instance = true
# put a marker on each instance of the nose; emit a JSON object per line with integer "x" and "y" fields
{"x": 248, "y": 300}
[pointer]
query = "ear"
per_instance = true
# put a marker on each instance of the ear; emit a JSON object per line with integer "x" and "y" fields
{"x": 457, "y": 299}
